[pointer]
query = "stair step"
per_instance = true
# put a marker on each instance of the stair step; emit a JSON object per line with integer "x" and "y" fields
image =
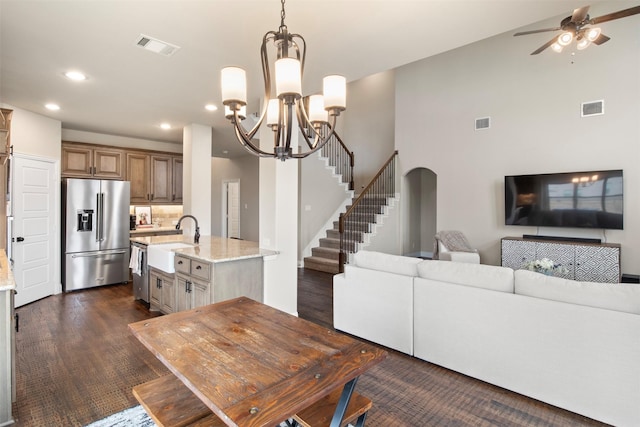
{"x": 322, "y": 264}
{"x": 328, "y": 253}
{"x": 375, "y": 209}
{"x": 361, "y": 226}
{"x": 350, "y": 235}
{"x": 327, "y": 242}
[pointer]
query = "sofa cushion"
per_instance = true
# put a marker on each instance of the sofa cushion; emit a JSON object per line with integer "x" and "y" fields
{"x": 623, "y": 297}
{"x": 477, "y": 275}
{"x": 386, "y": 262}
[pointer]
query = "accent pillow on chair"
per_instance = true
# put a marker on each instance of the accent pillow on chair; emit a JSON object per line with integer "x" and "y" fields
{"x": 451, "y": 245}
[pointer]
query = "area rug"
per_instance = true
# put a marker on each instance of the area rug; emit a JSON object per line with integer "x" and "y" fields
{"x": 132, "y": 417}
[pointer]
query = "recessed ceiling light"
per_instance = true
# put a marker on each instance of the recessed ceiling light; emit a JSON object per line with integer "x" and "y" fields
{"x": 75, "y": 75}
{"x": 52, "y": 107}
{"x": 211, "y": 107}
{"x": 165, "y": 126}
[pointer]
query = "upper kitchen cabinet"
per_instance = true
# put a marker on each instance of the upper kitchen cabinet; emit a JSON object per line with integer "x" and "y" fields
{"x": 92, "y": 161}
{"x": 156, "y": 178}
{"x": 138, "y": 174}
{"x": 5, "y": 131}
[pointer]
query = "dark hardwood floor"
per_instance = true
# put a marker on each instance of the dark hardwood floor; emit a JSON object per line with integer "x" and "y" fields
{"x": 77, "y": 363}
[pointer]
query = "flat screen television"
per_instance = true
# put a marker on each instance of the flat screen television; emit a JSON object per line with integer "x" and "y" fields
{"x": 591, "y": 199}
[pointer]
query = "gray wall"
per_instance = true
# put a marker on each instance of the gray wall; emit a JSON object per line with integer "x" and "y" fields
{"x": 368, "y": 125}
{"x": 536, "y": 127}
{"x": 245, "y": 169}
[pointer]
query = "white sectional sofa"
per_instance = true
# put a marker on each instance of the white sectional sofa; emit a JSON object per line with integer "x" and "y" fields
{"x": 575, "y": 345}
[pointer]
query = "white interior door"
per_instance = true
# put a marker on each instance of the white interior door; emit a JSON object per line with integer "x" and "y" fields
{"x": 232, "y": 212}
{"x": 34, "y": 229}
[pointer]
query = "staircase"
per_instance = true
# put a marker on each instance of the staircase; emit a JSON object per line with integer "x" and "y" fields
{"x": 326, "y": 257}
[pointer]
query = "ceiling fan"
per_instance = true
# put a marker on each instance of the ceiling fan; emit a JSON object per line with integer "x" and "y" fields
{"x": 577, "y": 27}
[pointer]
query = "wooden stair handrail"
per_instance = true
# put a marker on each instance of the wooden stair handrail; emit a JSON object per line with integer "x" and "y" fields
{"x": 356, "y": 203}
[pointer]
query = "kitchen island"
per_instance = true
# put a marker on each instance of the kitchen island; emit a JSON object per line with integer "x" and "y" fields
{"x": 213, "y": 270}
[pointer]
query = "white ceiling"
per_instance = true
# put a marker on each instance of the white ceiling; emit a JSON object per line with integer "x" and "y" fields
{"x": 130, "y": 91}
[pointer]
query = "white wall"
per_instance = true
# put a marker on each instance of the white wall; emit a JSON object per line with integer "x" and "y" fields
{"x": 119, "y": 141}
{"x": 245, "y": 170}
{"x": 534, "y": 105}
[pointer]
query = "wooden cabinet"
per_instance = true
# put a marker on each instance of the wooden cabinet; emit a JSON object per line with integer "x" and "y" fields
{"x": 5, "y": 132}
{"x": 155, "y": 177}
{"x": 588, "y": 262}
{"x": 177, "y": 179}
{"x": 162, "y": 291}
{"x": 138, "y": 175}
{"x": 86, "y": 161}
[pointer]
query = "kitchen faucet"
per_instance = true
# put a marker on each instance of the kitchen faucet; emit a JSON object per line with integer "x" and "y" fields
{"x": 196, "y": 237}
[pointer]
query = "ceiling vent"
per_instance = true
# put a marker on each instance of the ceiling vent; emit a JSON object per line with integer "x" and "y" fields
{"x": 156, "y": 46}
{"x": 592, "y": 108}
{"x": 483, "y": 123}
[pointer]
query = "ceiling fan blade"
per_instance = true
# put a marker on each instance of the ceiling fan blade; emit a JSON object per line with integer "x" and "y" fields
{"x": 601, "y": 39}
{"x": 544, "y": 30}
{"x": 616, "y": 15}
{"x": 579, "y": 15}
{"x": 544, "y": 46}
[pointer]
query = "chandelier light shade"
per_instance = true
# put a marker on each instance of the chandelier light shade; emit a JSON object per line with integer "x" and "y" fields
{"x": 283, "y": 101}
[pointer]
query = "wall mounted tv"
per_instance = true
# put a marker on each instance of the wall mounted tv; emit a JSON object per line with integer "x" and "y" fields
{"x": 580, "y": 199}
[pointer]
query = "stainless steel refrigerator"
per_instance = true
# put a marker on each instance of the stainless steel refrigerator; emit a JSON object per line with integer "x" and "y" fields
{"x": 95, "y": 235}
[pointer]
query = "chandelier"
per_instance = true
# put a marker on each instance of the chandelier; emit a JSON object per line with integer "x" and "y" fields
{"x": 316, "y": 116}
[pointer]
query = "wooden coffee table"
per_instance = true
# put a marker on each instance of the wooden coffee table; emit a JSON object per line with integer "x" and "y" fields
{"x": 253, "y": 365}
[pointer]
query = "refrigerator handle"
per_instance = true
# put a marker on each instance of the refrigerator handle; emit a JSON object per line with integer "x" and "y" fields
{"x": 98, "y": 216}
{"x": 101, "y": 217}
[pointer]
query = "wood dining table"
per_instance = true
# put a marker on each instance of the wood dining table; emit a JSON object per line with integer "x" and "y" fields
{"x": 254, "y": 365}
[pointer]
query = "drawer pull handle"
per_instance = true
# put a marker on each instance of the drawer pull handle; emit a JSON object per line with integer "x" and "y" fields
{"x": 179, "y": 262}
{"x": 199, "y": 267}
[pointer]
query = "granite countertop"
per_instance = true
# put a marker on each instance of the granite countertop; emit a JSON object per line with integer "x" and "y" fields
{"x": 211, "y": 248}
{"x": 6, "y": 276}
{"x": 143, "y": 230}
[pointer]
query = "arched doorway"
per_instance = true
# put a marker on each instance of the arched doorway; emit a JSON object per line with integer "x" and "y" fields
{"x": 420, "y": 212}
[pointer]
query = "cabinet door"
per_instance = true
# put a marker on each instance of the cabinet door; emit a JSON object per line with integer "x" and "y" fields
{"x": 183, "y": 297}
{"x": 138, "y": 175}
{"x": 108, "y": 164}
{"x": 200, "y": 293}
{"x": 161, "y": 189}
{"x": 517, "y": 253}
{"x": 77, "y": 161}
{"x": 177, "y": 180}
{"x": 597, "y": 264}
{"x": 168, "y": 294}
{"x": 559, "y": 254}
{"x": 155, "y": 288}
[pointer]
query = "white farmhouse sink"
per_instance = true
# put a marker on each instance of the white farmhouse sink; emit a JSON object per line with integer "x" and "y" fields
{"x": 161, "y": 256}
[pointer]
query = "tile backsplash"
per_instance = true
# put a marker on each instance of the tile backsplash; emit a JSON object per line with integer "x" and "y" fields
{"x": 163, "y": 215}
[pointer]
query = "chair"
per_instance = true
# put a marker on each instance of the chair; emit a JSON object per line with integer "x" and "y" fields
{"x": 452, "y": 245}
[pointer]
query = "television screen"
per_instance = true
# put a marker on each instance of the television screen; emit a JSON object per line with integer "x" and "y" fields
{"x": 579, "y": 199}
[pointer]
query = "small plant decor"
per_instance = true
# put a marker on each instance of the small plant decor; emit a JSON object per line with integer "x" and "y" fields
{"x": 545, "y": 266}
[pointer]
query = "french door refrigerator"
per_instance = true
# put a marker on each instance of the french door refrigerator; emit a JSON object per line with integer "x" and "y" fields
{"x": 95, "y": 235}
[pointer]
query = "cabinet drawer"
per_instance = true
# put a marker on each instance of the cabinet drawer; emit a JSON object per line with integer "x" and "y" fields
{"x": 182, "y": 264}
{"x": 200, "y": 269}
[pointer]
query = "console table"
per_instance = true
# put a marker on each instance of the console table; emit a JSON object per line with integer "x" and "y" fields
{"x": 586, "y": 262}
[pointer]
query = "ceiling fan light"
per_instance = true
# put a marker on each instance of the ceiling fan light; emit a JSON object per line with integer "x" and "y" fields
{"x": 565, "y": 38}
{"x": 583, "y": 44}
{"x": 592, "y": 34}
{"x": 556, "y": 48}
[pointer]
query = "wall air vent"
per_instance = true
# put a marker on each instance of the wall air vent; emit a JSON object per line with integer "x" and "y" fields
{"x": 483, "y": 123}
{"x": 156, "y": 46}
{"x": 592, "y": 108}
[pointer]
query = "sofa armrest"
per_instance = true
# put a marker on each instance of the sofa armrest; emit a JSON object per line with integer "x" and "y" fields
{"x": 469, "y": 257}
